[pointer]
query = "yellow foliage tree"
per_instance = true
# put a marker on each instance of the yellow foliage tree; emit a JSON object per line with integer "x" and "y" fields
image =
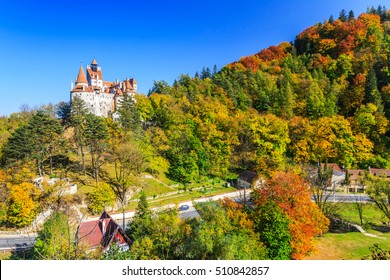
{"x": 21, "y": 207}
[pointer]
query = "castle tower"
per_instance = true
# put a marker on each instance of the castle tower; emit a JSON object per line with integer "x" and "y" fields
{"x": 94, "y": 75}
{"x": 81, "y": 78}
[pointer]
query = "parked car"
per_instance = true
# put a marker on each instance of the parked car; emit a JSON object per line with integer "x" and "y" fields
{"x": 184, "y": 207}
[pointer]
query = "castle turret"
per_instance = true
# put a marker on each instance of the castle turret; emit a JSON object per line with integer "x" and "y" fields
{"x": 81, "y": 78}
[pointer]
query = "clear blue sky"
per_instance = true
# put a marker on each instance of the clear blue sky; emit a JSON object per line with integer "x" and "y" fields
{"x": 42, "y": 43}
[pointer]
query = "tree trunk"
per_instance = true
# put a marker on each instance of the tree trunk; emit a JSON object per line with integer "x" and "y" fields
{"x": 82, "y": 158}
{"x": 39, "y": 168}
{"x": 51, "y": 160}
{"x": 123, "y": 217}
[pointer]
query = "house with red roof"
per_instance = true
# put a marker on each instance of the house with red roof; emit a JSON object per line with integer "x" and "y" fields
{"x": 380, "y": 173}
{"x": 338, "y": 174}
{"x": 357, "y": 177}
{"x": 356, "y": 180}
{"x": 101, "y": 233}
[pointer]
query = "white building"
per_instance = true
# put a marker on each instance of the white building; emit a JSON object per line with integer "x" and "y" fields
{"x": 102, "y": 98}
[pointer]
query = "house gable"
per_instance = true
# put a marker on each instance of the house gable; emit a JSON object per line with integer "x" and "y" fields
{"x": 102, "y": 233}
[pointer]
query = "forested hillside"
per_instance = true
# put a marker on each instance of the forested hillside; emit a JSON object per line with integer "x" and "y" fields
{"x": 323, "y": 97}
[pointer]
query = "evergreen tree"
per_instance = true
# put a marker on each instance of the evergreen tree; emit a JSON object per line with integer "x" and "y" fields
{"x": 331, "y": 19}
{"x": 128, "y": 115}
{"x": 36, "y": 140}
{"x": 206, "y": 73}
{"x": 19, "y": 146}
{"x": 215, "y": 70}
{"x": 78, "y": 112}
{"x": 351, "y": 15}
{"x": 379, "y": 10}
{"x": 343, "y": 16}
{"x": 63, "y": 112}
{"x": 140, "y": 225}
{"x": 372, "y": 94}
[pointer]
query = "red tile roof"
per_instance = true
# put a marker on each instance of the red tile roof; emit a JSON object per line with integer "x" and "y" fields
{"x": 380, "y": 172}
{"x": 333, "y": 166}
{"x": 101, "y": 232}
{"x": 94, "y": 62}
{"x": 94, "y": 74}
{"x": 354, "y": 174}
{"x": 80, "y": 88}
{"x": 91, "y": 232}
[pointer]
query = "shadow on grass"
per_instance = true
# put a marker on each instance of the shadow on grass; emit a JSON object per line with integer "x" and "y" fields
{"x": 338, "y": 225}
{"x": 380, "y": 228}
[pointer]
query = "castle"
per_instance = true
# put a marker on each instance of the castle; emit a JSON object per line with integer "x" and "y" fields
{"x": 102, "y": 98}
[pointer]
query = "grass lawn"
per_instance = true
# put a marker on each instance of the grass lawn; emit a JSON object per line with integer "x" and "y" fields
{"x": 371, "y": 213}
{"x": 347, "y": 246}
{"x": 353, "y": 245}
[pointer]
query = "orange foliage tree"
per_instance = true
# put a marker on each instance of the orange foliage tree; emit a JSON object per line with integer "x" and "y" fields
{"x": 292, "y": 194}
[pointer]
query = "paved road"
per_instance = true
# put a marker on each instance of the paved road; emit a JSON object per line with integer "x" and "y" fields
{"x": 16, "y": 241}
{"x": 348, "y": 198}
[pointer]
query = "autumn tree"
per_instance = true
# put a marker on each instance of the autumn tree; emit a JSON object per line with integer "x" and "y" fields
{"x": 22, "y": 207}
{"x": 161, "y": 238}
{"x": 56, "y": 240}
{"x": 224, "y": 232}
{"x": 301, "y": 133}
{"x": 130, "y": 160}
{"x": 321, "y": 186}
{"x": 4, "y": 197}
{"x": 292, "y": 195}
{"x": 100, "y": 198}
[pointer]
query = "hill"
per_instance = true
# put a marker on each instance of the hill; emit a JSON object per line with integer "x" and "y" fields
{"x": 325, "y": 96}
